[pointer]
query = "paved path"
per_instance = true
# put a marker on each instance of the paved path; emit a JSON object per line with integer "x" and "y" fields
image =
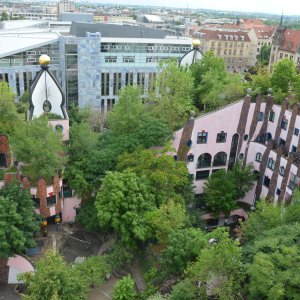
{"x": 104, "y": 292}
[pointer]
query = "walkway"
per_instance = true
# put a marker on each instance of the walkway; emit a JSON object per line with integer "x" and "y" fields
{"x": 103, "y": 292}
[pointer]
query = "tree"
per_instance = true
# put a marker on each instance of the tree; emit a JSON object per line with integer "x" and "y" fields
{"x": 54, "y": 279}
{"x": 126, "y": 115}
{"x": 266, "y": 216}
{"x": 121, "y": 204}
{"x": 8, "y": 113}
{"x": 37, "y": 144}
{"x": 23, "y": 104}
{"x": 167, "y": 178}
{"x": 167, "y": 218}
{"x": 218, "y": 268}
{"x": 18, "y": 220}
{"x": 4, "y": 16}
{"x": 185, "y": 289}
{"x": 94, "y": 270}
{"x": 83, "y": 142}
{"x": 220, "y": 192}
{"x": 87, "y": 216}
{"x": 243, "y": 177}
{"x": 275, "y": 264}
{"x": 124, "y": 289}
{"x": 261, "y": 81}
{"x": 284, "y": 75}
{"x": 264, "y": 55}
{"x": 183, "y": 248}
{"x": 175, "y": 86}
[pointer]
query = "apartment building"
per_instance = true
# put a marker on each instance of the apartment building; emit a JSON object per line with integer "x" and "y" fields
{"x": 261, "y": 133}
{"x": 236, "y": 47}
{"x": 285, "y": 44}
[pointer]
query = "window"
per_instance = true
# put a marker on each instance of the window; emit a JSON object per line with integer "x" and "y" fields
{"x": 260, "y": 116}
{"x": 59, "y": 128}
{"x": 296, "y": 131}
{"x": 271, "y": 163}
{"x": 272, "y": 116}
{"x": 221, "y": 137}
{"x": 283, "y": 124}
{"x": 201, "y": 175}
{"x": 190, "y": 158}
{"x": 278, "y": 192}
{"x": 266, "y": 181}
{"x": 220, "y": 159}
{"x": 189, "y": 143}
{"x": 282, "y": 170}
{"x": 246, "y": 137}
{"x": 216, "y": 170}
{"x": 281, "y": 142}
{"x": 51, "y": 200}
{"x": 36, "y": 202}
{"x": 175, "y": 157}
{"x": 294, "y": 149}
{"x": 128, "y": 59}
{"x": 258, "y": 157}
{"x": 241, "y": 156}
{"x": 202, "y": 137}
{"x": 110, "y": 59}
{"x": 204, "y": 161}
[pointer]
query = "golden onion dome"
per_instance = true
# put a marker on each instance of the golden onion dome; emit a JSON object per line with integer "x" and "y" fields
{"x": 44, "y": 60}
{"x": 196, "y": 43}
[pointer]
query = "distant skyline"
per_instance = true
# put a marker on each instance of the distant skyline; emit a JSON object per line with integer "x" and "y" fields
{"x": 289, "y": 7}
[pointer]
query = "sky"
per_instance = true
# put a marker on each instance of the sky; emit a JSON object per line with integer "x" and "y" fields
{"x": 289, "y": 7}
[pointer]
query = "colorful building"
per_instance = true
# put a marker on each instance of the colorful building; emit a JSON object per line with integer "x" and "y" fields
{"x": 261, "y": 133}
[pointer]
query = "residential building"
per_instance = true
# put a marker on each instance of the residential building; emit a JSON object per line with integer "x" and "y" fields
{"x": 285, "y": 44}
{"x": 236, "y": 47}
{"x": 66, "y": 6}
{"x": 261, "y": 133}
{"x": 92, "y": 62}
{"x": 262, "y": 35}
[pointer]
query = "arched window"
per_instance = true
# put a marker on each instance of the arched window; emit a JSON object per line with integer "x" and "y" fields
{"x": 59, "y": 128}
{"x": 268, "y": 136}
{"x": 258, "y": 157}
{"x": 204, "y": 161}
{"x": 220, "y": 159}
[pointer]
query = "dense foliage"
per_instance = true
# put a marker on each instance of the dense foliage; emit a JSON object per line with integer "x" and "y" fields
{"x": 18, "y": 222}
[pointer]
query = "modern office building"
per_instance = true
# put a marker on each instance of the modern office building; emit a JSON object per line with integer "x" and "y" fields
{"x": 261, "y": 133}
{"x": 92, "y": 62}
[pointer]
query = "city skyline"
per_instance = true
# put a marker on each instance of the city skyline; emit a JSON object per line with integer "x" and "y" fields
{"x": 266, "y": 6}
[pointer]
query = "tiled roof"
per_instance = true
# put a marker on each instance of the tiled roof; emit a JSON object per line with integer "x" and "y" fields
{"x": 223, "y": 35}
{"x": 264, "y": 32}
{"x": 291, "y": 40}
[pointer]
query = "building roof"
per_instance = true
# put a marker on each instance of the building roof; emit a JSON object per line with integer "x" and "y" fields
{"x": 16, "y": 42}
{"x": 291, "y": 40}
{"x": 153, "y": 19}
{"x": 115, "y": 30}
{"x": 252, "y": 23}
{"x": 7, "y": 25}
{"x": 264, "y": 32}
{"x": 223, "y": 35}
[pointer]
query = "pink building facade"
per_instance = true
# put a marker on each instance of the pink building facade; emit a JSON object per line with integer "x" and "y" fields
{"x": 261, "y": 133}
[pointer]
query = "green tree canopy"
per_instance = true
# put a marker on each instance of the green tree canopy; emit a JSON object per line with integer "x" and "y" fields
{"x": 220, "y": 192}
{"x": 121, "y": 204}
{"x": 37, "y": 144}
{"x": 94, "y": 270}
{"x": 219, "y": 268}
{"x": 18, "y": 220}
{"x": 167, "y": 218}
{"x": 8, "y": 112}
{"x": 124, "y": 289}
{"x": 126, "y": 115}
{"x": 168, "y": 178}
{"x": 175, "y": 86}
{"x": 54, "y": 279}
{"x": 183, "y": 248}
{"x": 284, "y": 75}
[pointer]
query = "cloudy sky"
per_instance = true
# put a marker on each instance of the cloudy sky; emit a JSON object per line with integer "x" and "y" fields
{"x": 289, "y": 7}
